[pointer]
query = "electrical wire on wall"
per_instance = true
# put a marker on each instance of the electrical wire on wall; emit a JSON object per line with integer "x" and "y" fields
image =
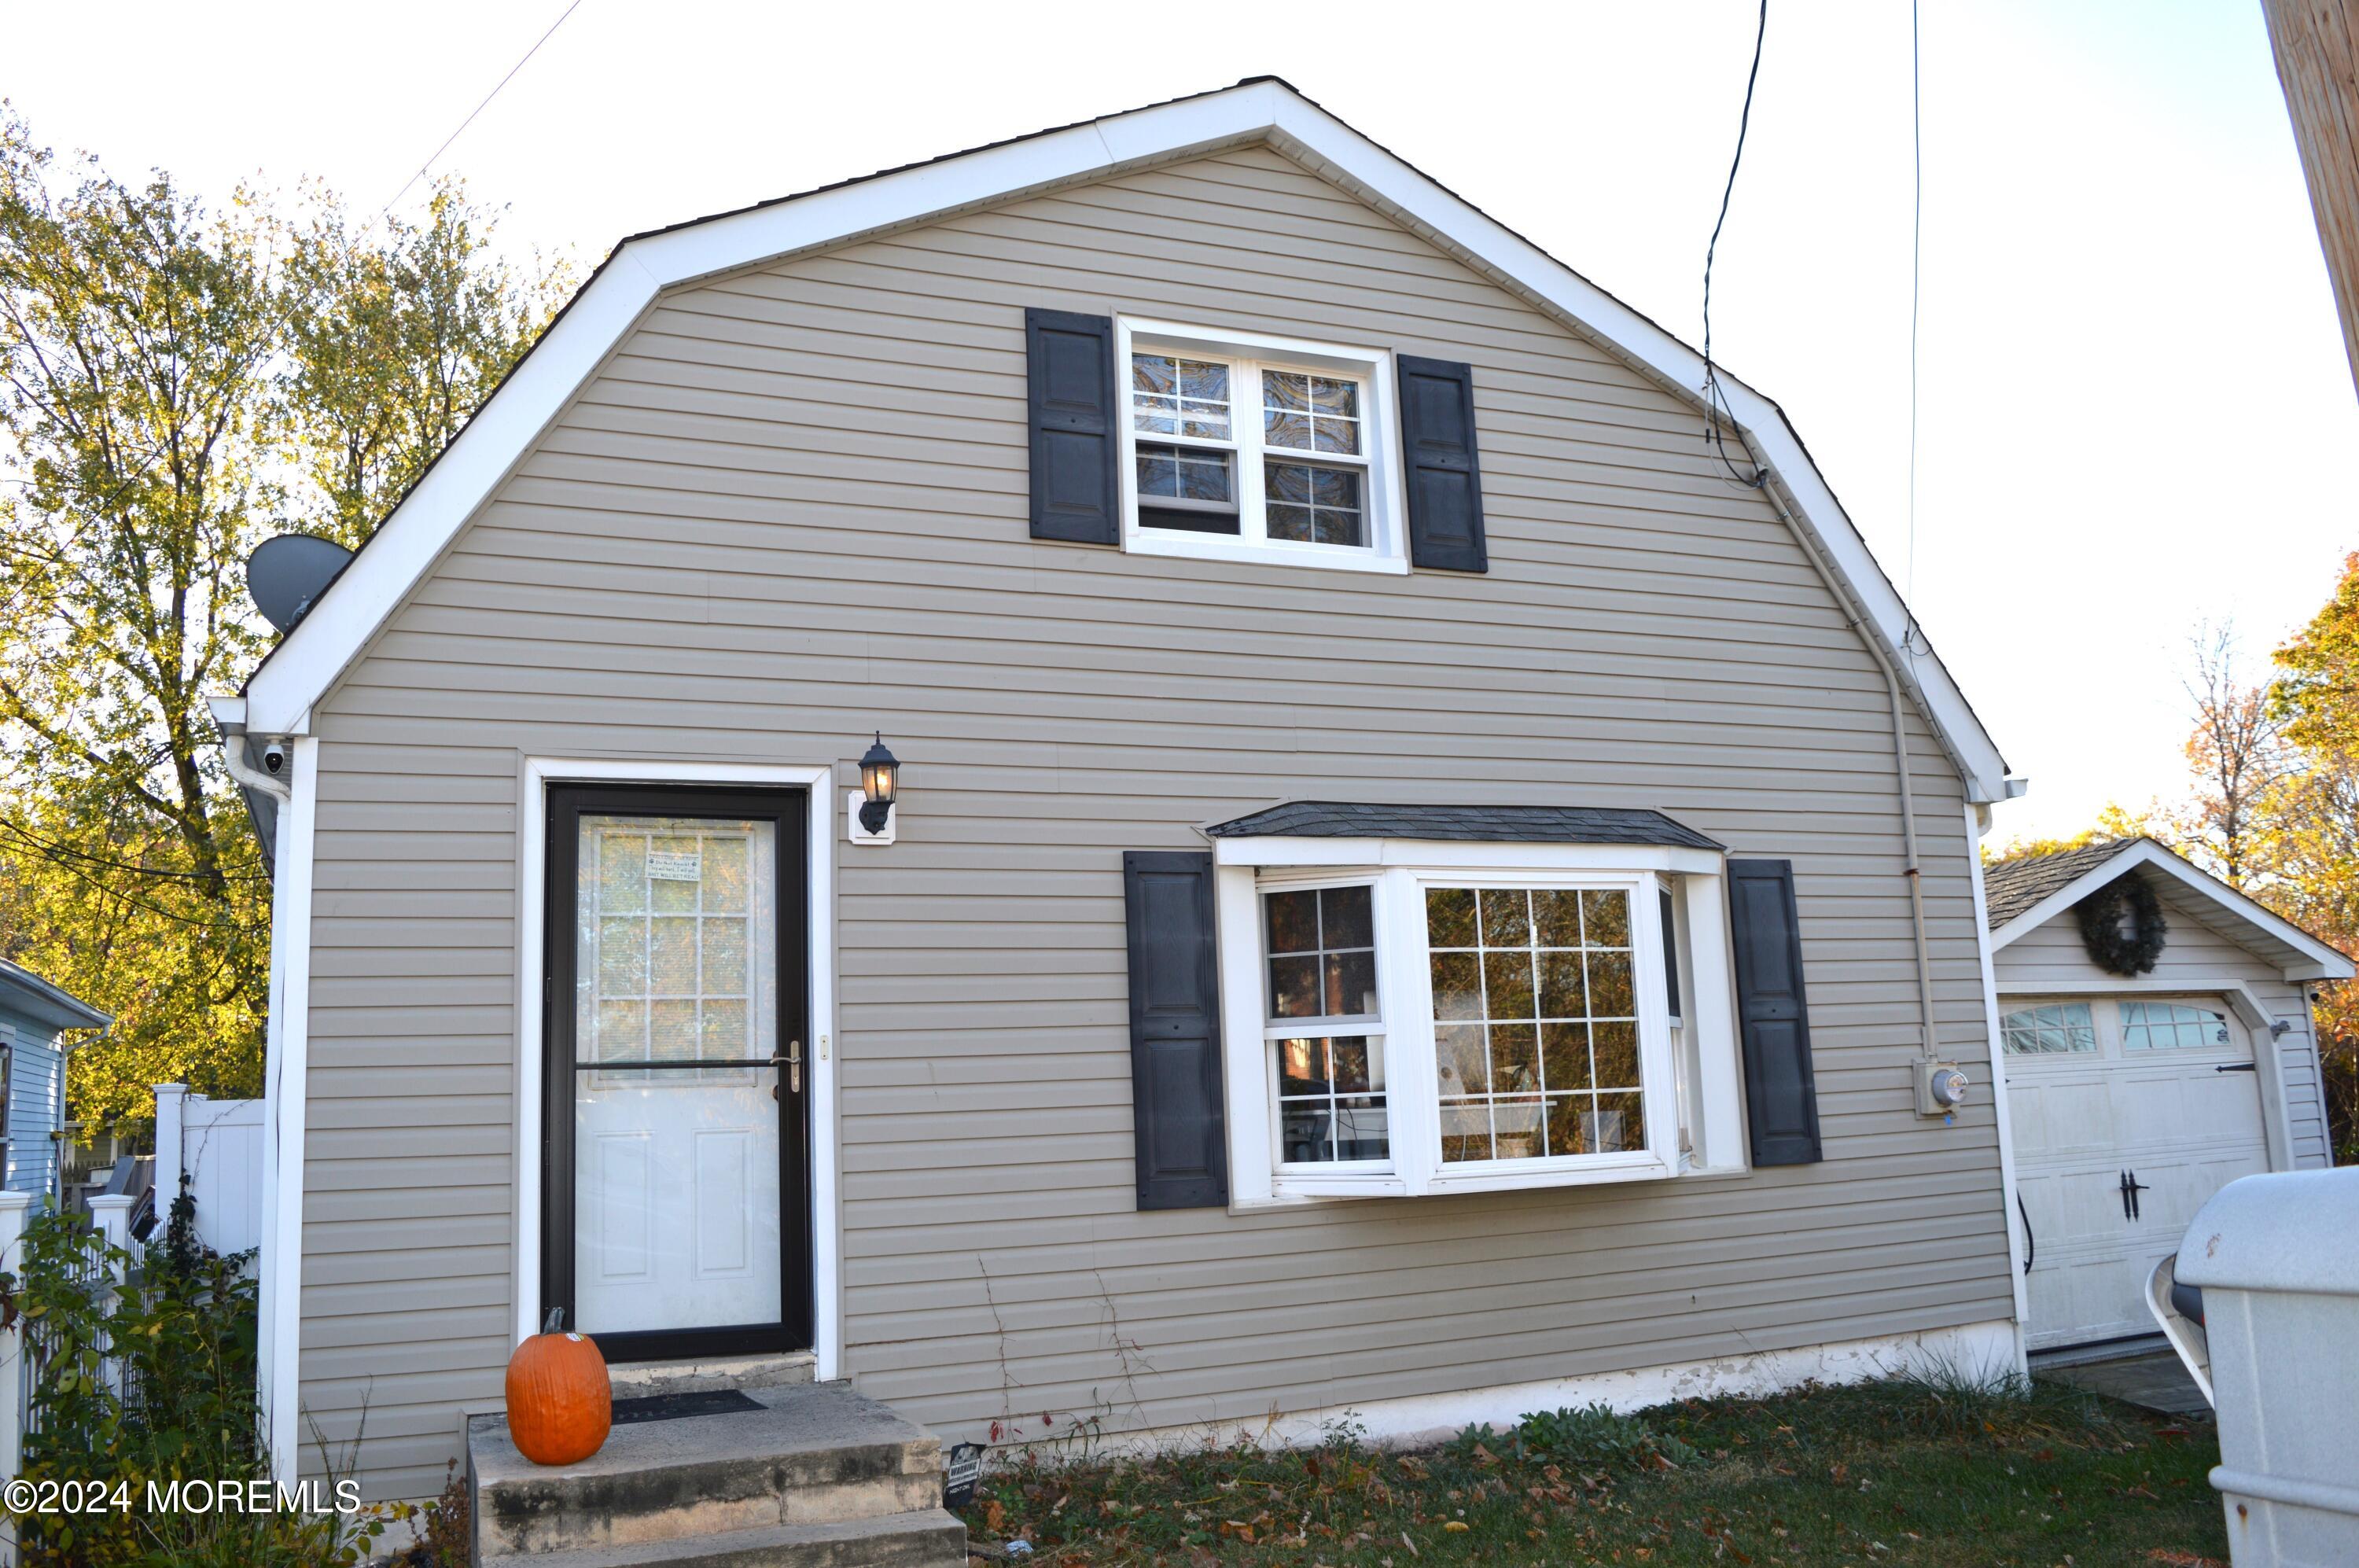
{"x": 1717, "y": 414}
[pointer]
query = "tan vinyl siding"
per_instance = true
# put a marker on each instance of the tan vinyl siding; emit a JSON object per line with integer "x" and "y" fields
{"x": 2202, "y": 961}
{"x": 791, "y": 511}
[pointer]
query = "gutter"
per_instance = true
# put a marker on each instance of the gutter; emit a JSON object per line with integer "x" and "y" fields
{"x": 229, "y": 713}
{"x": 264, "y": 795}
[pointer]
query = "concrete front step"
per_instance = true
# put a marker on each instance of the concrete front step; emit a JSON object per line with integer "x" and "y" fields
{"x": 926, "y": 1538}
{"x": 813, "y": 1454}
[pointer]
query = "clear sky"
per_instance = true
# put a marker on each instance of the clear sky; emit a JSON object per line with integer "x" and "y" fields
{"x": 2134, "y": 410}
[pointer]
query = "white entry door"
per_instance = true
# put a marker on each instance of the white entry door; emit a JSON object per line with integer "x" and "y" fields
{"x": 2128, "y": 1113}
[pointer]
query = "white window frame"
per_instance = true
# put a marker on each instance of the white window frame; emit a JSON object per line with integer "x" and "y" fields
{"x": 1273, "y": 1029}
{"x": 1247, "y": 355}
{"x": 1691, "y": 1079}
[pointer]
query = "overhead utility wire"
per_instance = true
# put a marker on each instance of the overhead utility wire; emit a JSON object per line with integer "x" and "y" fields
{"x": 1915, "y": 293}
{"x": 1716, "y": 409}
{"x": 479, "y": 108}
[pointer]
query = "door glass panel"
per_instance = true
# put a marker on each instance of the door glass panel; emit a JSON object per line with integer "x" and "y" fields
{"x": 676, "y": 1131}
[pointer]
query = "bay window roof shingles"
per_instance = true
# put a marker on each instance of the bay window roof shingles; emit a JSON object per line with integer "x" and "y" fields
{"x": 1480, "y": 824}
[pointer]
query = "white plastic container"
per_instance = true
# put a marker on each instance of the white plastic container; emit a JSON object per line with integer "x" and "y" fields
{"x": 2277, "y": 1260}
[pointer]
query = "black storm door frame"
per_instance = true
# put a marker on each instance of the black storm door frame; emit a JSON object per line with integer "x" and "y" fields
{"x": 786, "y": 809}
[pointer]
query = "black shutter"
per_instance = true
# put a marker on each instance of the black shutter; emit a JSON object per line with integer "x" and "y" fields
{"x": 1670, "y": 953}
{"x": 1175, "y": 1030}
{"x": 1075, "y": 443}
{"x": 1445, "y": 482}
{"x": 1781, "y": 1098}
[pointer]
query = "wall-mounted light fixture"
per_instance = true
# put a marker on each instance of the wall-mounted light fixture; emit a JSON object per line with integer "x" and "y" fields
{"x": 879, "y": 779}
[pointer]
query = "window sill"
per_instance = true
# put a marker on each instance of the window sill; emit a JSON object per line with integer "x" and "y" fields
{"x": 1291, "y": 1190}
{"x": 1286, "y": 1192}
{"x": 1508, "y": 1177}
{"x": 1321, "y": 557}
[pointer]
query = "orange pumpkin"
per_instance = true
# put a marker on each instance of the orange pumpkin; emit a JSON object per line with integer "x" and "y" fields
{"x": 561, "y": 1403}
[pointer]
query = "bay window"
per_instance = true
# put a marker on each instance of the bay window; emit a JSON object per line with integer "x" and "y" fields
{"x": 1460, "y": 1016}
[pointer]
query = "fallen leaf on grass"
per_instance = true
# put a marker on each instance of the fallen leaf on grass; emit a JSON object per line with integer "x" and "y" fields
{"x": 1457, "y": 1527}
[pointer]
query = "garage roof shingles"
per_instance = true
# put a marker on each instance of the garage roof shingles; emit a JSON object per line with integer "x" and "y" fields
{"x": 2011, "y": 887}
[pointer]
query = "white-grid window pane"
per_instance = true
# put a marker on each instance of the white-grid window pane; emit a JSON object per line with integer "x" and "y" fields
{"x": 1536, "y": 1030}
{"x": 2171, "y": 1026}
{"x": 1171, "y": 395}
{"x": 2049, "y": 1030}
{"x": 1331, "y": 1099}
{"x": 674, "y": 957}
{"x": 1310, "y": 413}
{"x": 1311, "y": 504}
{"x": 1320, "y": 963}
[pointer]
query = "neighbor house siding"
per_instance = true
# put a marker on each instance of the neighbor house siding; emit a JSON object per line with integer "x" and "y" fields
{"x": 35, "y": 1069}
{"x": 791, "y": 511}
{"x": 2201, "y": 960}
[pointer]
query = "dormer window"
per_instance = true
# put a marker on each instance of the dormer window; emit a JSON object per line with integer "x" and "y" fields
{"x": 1260, "y": 449}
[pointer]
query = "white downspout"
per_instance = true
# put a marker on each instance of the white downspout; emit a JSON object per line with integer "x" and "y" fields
{"x": 274, "y": 1157}
{"x": 1912, "y": 868}
{"x": 245, "y": 772}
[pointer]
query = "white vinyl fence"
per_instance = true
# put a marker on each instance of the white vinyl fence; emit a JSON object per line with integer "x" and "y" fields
{"x": 218, "y": 1145}
{"x": 25, "y": 1358}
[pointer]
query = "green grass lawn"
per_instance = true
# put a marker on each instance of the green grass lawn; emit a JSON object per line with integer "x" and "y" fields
{"x": 1896, "y": 1472}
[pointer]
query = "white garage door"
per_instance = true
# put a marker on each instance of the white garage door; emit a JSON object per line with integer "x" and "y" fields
{"x": 2128, "y": 1113}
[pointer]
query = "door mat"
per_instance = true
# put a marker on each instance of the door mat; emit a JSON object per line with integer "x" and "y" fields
{"x": 678, "y": 1407}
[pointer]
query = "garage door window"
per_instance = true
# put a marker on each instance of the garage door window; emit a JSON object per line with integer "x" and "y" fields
{"x": 2051, "y": 1031}
{"x": 2171, "y": 1026}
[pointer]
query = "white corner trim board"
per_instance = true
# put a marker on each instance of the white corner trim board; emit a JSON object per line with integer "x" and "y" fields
{"x": 2317, "y": 961}
{"x": 537, "y": 774}
{"x": 1977, "y": 826}
{"x": 287, "y": 1058}
{"x": 314, "y": 656}
{"x": 1988, "y": 1348}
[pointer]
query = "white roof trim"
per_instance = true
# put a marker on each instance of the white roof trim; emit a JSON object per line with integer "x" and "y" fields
{"x": 2319, "y": 962}
{"x": 309, "y": 662}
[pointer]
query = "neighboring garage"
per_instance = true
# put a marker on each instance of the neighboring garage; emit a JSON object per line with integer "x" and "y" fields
{"x": 2157, "y": 1045}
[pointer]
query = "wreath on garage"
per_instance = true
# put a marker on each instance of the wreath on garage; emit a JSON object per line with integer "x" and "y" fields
{"x": 2122, "y": 926}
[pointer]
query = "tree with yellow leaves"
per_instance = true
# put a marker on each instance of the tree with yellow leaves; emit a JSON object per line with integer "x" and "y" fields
{"x": 177, "y": 383}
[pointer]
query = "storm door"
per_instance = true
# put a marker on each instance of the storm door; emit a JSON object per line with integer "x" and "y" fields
{"x": 678, "y": 1194}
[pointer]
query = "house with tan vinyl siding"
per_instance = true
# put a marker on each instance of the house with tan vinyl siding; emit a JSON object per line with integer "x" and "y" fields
{"x": 1408, "y": 890}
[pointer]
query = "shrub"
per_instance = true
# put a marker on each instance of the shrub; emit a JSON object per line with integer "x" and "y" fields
{"x": 1593, "y": 1435}
{"x": 177, "y": 1403}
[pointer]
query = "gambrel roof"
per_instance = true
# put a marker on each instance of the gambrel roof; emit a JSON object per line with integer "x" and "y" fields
{"x": 1261, "y": 109}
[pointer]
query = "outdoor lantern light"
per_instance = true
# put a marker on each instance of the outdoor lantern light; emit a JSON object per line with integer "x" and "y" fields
{"x": 878, "y": 769}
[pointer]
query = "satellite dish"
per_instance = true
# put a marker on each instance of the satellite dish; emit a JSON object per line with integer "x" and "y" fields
{"x": 286, "y": 575}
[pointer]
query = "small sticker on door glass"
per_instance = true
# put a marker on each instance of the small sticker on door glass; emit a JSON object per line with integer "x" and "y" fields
{"x": 675, "y": 865}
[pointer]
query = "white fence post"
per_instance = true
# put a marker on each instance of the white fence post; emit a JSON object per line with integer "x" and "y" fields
{"x": 112, "y": 1213}
{"x": 171, "y": 1114}
{"x": 11, "y": 1360}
